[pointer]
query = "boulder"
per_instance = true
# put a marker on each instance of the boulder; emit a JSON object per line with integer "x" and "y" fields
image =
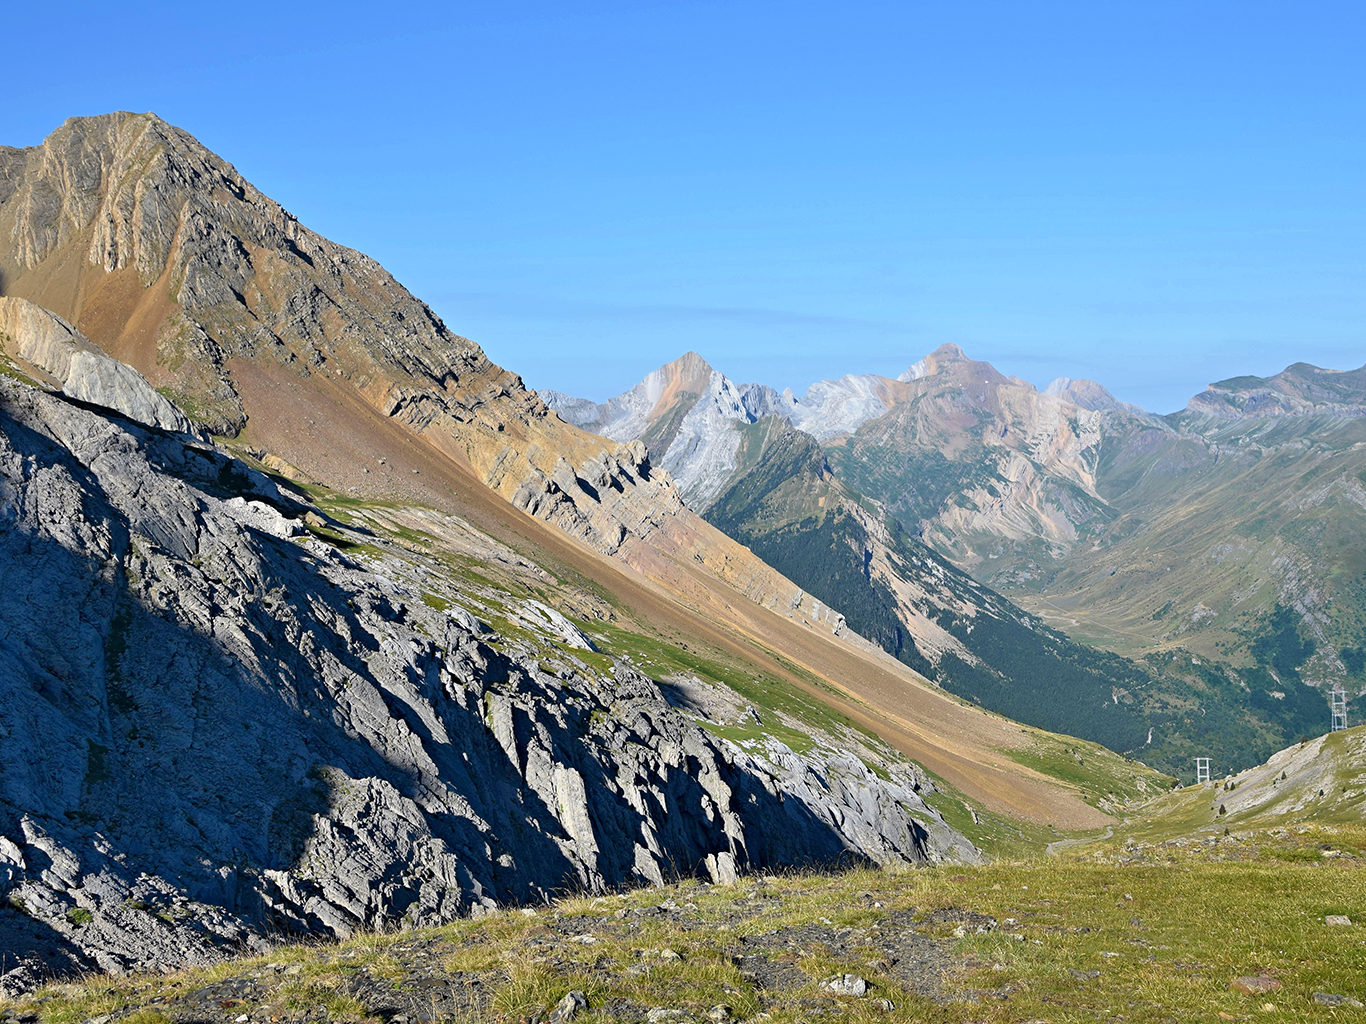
{"x": 83, "y": 370}
{"x": 1329, "y": 999}
{"x": 1255, "y": 985}
{"x": 846, "y": 985}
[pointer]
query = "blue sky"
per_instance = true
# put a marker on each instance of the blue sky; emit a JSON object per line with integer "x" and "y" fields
{"x": 1153, "y": 195}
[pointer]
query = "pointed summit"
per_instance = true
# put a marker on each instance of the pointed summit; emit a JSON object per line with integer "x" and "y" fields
{"x": 943, "y": 355}
{"x": 689, "y": 364}
{"x": 1087, "y": 394}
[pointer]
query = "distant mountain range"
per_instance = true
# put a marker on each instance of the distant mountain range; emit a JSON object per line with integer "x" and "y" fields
{"x": 954, "y": 512}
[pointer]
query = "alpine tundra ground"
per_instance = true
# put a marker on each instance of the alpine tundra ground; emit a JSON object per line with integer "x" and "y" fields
{"x": 1128, "y": 930}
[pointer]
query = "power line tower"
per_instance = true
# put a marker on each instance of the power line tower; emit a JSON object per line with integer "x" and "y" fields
{"x": 1339, "y": 698}
{"x": 1201, "y": 770}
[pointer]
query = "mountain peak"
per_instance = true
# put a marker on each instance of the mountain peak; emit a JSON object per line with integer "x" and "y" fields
{"x": 1300, "y": 388}
{"x": 1087, "y": 394}
{"x": 942, "y": 356}
{"x": 688, "y": 364}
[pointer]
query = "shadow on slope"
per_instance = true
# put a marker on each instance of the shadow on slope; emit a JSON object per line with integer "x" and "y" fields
{"x": 237, "y": 722}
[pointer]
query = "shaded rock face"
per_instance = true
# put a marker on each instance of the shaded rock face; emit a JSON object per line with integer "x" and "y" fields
{"x": 209, "y": 730}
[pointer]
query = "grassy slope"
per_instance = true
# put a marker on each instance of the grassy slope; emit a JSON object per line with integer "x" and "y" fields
{"x": 1062, "y": 939}
{"x": 1275, "y": 515}
{"x": 1319, "y": 782}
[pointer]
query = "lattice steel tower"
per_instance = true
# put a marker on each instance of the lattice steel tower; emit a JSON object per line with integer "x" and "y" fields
{"x": 1339, "y": 697}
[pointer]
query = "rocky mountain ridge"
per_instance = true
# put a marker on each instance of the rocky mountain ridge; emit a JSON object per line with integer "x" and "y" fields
{"x": 1299, "y": 390}
{"x": 331, "y": 374}
{"x": 1179, "y": 539}
{"x": 690, "y": 415}
{"x": 1041, "y": 493}
{"x": 165, "y": 257}
{"x": 248, "y": 728}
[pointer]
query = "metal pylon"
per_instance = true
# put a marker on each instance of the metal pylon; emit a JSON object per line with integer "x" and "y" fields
{"x": 1339, "y": 698}
{"x": 1201, "y": 770}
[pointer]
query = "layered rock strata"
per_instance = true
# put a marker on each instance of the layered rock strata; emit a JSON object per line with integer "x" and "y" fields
{"x": 215, "y": 726}
{"x": 168, "y": 259}
{"x": 48, "y": 344}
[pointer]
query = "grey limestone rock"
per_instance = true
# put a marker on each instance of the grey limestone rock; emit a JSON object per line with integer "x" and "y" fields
{"x": 548, "y": 619}
{"x": 84, "y": 372}
{"x": 1332, "y": 999}
{"x": 567, "y": 1007}
{"x": 846, "y": 985}
{"x": 215, "y": 728}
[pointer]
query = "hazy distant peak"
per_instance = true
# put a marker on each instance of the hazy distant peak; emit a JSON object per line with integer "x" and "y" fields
{"x": 689, "y": 364}
{"x": 946, "y": 353}
{"x": 1349, "y": 384}
{"x": 916, "y": 370}
{"x": 578, "y": 411}
{"x": 1087, "y": 394}
{"x": 1058, "y": 387}
{"x": 1299, "y": 389}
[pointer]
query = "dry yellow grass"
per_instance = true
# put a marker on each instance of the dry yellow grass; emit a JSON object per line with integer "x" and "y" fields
{"x": 1092, "y": 936}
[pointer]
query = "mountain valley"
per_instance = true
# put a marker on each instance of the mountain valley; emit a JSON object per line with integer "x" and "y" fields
{"x": 317, "y": 625}
{"x": 1215, "y": 551}
{"x": 365, "y": 636}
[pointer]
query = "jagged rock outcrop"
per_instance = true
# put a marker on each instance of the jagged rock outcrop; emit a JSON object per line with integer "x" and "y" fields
{"x": 48, "y": 343}
{"x": 213, "y": 725}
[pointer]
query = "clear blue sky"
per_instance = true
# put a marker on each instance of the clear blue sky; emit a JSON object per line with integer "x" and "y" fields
{"x": 1153, "y": 194}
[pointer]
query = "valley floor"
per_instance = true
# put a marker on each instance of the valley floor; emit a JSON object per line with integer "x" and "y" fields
{"x": 1117, "y": 930}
